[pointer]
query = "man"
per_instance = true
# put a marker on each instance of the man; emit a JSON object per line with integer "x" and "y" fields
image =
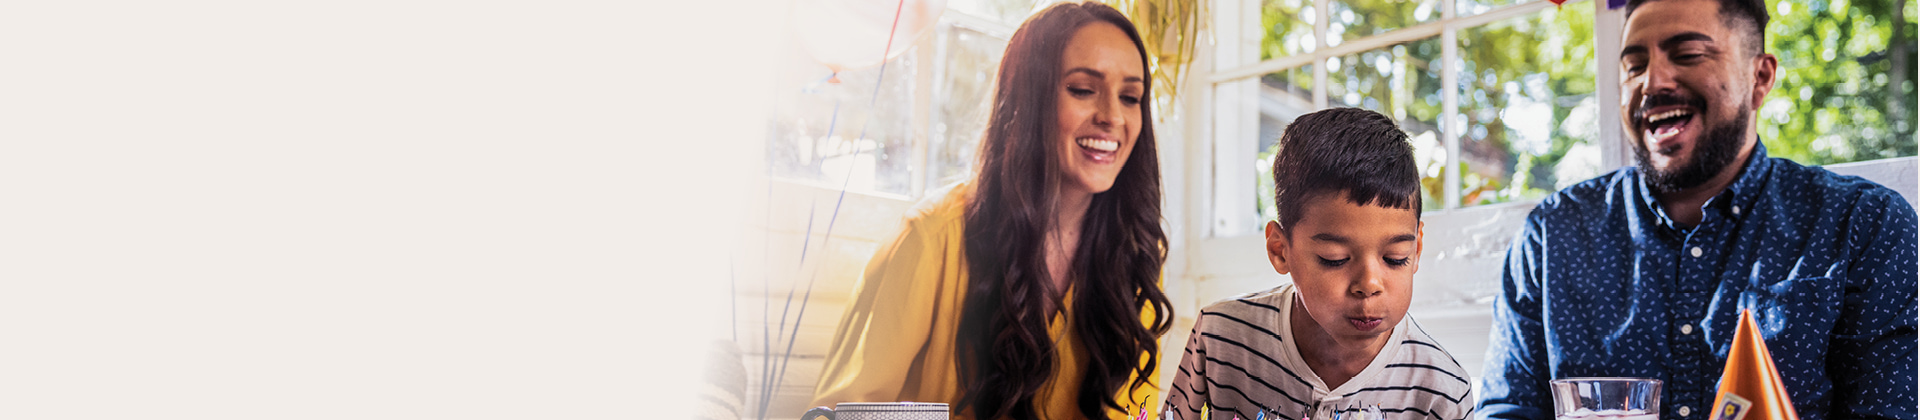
{"x": 1644, "y": 272}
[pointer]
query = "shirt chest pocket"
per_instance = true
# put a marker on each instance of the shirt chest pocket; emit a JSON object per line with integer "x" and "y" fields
{"x": 1799, "y": 311}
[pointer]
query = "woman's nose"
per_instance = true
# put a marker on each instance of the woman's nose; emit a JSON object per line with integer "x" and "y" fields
{"x": 1107, "y": 112}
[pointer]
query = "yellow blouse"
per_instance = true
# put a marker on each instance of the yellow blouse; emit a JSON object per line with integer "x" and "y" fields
{"x": 896, "y": 342}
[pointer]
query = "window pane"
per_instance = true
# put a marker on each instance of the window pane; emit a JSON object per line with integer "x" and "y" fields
{"x": 1289, "y": 28}
{"x": 1844, "y": 91}
{"x": 1284, "y": 95}
{"x": 1007, "y": 12}
{"x": 1463, "y": 8}
{"x": 1528, "y": 107}
{"x": 1348, "y": 20}
{"x": 801, "y": 147}
{"x": 1403, "y": 82}
{"x": 964, "y": 93}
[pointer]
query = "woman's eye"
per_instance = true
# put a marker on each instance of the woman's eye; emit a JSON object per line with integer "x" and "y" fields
{"x": 1130, "y": 100}
{"x": 1399, "y": 262}
{"x": 1080, "y": 92}
{"x": 1335, "y": 263}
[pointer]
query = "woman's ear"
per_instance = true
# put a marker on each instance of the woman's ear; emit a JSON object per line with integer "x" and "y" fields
{"x": 1277, "y": 247}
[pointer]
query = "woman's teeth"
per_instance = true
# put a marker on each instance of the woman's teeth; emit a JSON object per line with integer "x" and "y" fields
{"x": 1097, "y": 144}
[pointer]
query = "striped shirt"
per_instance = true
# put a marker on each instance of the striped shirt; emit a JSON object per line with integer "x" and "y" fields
{"x": 1241, "y": 360}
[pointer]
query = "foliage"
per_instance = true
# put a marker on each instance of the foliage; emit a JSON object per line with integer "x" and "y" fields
{"x": 1845, "y": 90}
{"x": 1520, "y": 79}
{"x": 1170, "y": 29}
{"x": 1526, "y": 86}
{"x": 1541, "y": 62}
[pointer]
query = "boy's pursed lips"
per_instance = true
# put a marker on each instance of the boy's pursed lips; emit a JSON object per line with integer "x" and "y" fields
{"x": 1365, "y": 323}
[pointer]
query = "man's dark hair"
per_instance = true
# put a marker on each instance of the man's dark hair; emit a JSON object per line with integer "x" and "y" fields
{"x": 1353, "y": 150}
{"x": 1748, "y": 16}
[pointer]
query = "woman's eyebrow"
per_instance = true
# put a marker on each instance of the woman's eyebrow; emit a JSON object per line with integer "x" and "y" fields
{"x": 1098, "y": 74}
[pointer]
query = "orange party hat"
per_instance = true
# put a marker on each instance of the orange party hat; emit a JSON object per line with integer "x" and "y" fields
{"x": 1751, "y": 384}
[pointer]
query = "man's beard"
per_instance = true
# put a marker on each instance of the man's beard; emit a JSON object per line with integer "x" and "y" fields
{"x": 1717, "y": 149}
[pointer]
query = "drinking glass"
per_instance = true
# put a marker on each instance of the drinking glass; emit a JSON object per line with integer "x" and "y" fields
{"x": 1606, "y": 398}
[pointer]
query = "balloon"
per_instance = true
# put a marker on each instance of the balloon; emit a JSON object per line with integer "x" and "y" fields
{"x": 852, "y": 34}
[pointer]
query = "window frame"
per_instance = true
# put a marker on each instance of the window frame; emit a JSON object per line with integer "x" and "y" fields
{"x": 931, "y": 54}
{"x": 1237, "y": 30}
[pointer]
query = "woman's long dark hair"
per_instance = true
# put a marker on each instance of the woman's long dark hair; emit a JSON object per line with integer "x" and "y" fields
{"x": 1005, "y": 352}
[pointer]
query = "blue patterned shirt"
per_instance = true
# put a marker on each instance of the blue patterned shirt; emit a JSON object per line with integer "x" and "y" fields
{"x": 1602, "y": 283}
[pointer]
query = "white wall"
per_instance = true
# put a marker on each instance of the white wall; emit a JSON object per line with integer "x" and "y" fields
{"x": 771, "y": 281}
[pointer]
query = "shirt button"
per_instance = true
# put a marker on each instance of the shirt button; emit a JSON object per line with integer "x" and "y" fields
{"x": 1686, "y": 329}
{"x": 1696, "y": 252}
{"x": 1684, "y": 411}
{"x": 1736, "y": 210}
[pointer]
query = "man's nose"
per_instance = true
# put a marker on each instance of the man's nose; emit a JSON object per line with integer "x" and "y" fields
{"x": 1660, "y": 77}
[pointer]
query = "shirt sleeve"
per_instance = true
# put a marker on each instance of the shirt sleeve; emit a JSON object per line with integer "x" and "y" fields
{"x": 1514, "y": 384}
{"x": 1872, "y": 358}
{"x": 1188, "y": 391}
{"x": 876, "y": 347}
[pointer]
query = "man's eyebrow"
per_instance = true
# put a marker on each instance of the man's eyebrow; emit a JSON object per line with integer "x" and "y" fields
{"x": 1669, "y": 43}
{"x": 1688, "y": 36}
{"x": 1098, "y": 74}
{"x": 1632, "y": 49}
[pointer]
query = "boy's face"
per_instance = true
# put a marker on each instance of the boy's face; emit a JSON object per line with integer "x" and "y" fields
{"x": 1352, "y": 265}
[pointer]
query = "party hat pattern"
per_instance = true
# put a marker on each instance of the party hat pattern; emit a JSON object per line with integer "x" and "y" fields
{"x": 1751, "y": 384}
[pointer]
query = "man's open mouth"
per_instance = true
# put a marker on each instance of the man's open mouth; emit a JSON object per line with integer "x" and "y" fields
{"x": 1666, "y": 124}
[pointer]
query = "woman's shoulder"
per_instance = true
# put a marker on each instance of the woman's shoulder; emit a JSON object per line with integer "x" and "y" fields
{"x": 942, "y": 208}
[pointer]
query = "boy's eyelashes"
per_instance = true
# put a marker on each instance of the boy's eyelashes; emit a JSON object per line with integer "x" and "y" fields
{"x": 1333, "y": 263}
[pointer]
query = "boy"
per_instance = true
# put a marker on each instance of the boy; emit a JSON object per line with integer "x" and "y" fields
{"x": 1332, "y": 342}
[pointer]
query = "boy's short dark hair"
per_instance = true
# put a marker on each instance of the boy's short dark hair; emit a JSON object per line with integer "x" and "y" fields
{"x": 1746, "y": 17}
{"x": 1344, "y": 149}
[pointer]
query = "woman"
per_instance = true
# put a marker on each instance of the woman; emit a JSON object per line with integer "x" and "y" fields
{"x": 1031, "y": 292}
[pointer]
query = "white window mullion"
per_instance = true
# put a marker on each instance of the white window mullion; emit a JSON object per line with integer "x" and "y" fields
{"x": 1607, "y": 27}
{"x": 1450, "y": 127}
{"x": 1320, "y": 16}
{"x": 923, "y": 93}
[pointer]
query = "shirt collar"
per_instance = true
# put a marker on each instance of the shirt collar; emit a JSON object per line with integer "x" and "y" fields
{"x": 1741, "y": 194}
{"x": 1748, "y": 187}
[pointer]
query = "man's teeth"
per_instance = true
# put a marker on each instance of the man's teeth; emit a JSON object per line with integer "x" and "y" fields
{"x": 1660, "y": 117}
{"x": 1097, "y": 144}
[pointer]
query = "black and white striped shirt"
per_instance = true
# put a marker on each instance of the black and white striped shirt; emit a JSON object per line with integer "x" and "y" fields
{"x": 1241, "y": 360}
